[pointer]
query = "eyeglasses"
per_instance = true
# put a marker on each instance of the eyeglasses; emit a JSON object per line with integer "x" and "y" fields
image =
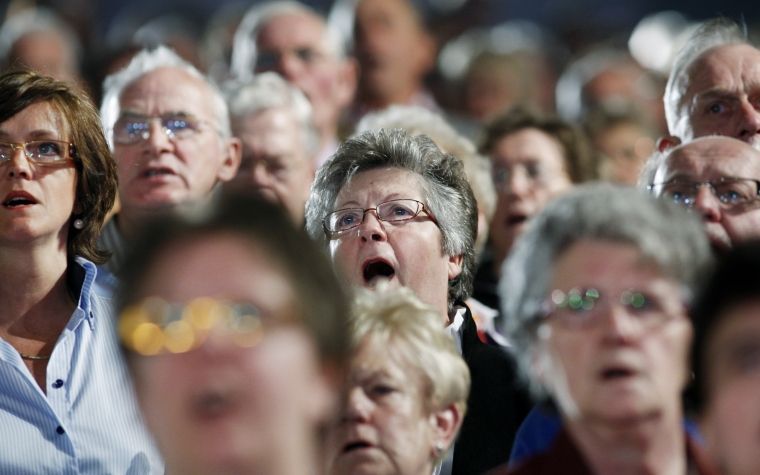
{"x": 731, "y": 192}
{"x": 44, "y": 152}
{"x": 132, "y": 129}
{"x": 155, "y": 326}
{"x": 584, "y": 308}
{"x": 392, "y": 211}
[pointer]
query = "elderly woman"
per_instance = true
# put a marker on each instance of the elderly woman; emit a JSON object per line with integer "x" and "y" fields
{"x": 393, "y": 208}
{"x": 66, "y": 402}
{"x": 596, "y": 294}
{"x": 235, "y": 331}
{"x": 726, "y": 361}
{"x": 406, "y": 391}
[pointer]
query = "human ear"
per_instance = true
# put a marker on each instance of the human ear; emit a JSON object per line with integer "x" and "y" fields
{"x": 445, "y": 424}
{"x": 455, "y": 266}
{"x": 232, "y": 155}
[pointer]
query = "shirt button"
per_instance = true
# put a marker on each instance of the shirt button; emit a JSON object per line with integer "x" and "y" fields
{"x": 60, "y": 430}
{"x": 58, "y": 383}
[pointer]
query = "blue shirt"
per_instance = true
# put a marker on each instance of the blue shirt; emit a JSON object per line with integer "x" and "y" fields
{"x": 88, "y": 422}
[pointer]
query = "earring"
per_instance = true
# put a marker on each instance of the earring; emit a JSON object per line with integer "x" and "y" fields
{"x": 78, "y": 223}
{"x": 438, "y": 449}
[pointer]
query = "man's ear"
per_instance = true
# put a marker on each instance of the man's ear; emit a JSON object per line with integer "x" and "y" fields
{"x": 445, "y": 424}
{"x": 666, "y": 142}
{"x": 233, "y": 152}
{"x": 455, "y": 266}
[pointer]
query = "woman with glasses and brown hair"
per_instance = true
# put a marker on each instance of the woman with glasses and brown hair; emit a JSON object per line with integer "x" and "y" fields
{"x": 66, "y": 402}
{"x": 595, "y": 296}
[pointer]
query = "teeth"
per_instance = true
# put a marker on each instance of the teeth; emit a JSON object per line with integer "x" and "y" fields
{"x": 18, "y": 201}
{"x": 151, "y": 173}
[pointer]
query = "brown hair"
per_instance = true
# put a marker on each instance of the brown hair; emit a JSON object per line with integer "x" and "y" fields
{"x": 96, "y": 169}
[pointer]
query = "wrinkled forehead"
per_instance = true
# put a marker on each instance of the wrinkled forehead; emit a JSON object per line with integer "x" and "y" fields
{"x": 378, "y": 184}
{"x": 726, "y": 67}
{"x": 712, "y": 158}
{"x": 166, "y": 90}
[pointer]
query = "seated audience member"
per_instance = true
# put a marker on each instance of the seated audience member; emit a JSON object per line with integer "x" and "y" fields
{"x": 419, "y": 121}
{"x": 235, "y": 331}
{"x": 533, "y": 159}
{"x": 717, "y": 177}
{"x": 294, "y": 41}
{"x": 726, "y": 361}
{"x": 390, "y": 207}
{"x": 273, "y": 121}
{"x": 714, "y": 84}
{"x": 406, "y": 392}
{"x": 595, "y": 294}
{"x": 169, "y": 130}
{"x": 66, "y": 404}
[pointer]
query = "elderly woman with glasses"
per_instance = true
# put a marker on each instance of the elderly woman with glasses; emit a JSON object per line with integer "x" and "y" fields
{"x": 235, "y": 330}
{"x": 596, "y": 295}
{"x": 66, "y": 403}
{"x": 393, "y": 208}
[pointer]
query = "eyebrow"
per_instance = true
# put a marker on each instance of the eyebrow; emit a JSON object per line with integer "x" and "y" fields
{"x": 355, "y": 204}
{"x": 35, "y": 135}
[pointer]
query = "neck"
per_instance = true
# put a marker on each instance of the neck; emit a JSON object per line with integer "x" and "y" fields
{"x": 652, "y": 444}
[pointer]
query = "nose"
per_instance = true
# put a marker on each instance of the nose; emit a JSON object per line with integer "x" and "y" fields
{"x": 18, "y": 164}
{"x": 619, "y": 325}
{"x": 158, "y": 141}
{"x": 289, "y": 66}
{"x": 749, "y": 122}
{"x": 518, "y": 183}
{"x": 707, "y": 204}
{"x": 358, "y": 406}
{"x": 259, "y": 174}
{"x": 371, "y": 229}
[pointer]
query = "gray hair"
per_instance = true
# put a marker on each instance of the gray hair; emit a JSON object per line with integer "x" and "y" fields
{"x": 420, "y": 121}
{"x": 710, "y": 34}
{"x": 446, "y": 191}
{"x": 33, "y": 20}
{"x": 244, "y": 49}
{"x": 664, "y": 234}
{"x": 144, "y": 62}
{"x": 270, "y": 91}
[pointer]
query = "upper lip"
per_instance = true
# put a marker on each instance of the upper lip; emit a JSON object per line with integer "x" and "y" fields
{"x": 19, "y": 194}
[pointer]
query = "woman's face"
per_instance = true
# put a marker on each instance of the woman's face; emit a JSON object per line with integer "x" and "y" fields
{"x": 408, "y": 254}
{"x": 223, "y": 407}
{"x": 529, "y": 170}
{"x": 37, "y": 200}
{"x": 627, "y": 357}
{"x": 385, "y": 427}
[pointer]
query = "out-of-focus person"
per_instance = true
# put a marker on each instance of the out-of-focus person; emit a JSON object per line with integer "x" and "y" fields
{"x": 291, "y": 39}
{"x": 716, "y": 177}
{"x": 274, "y": 123}
{"x": 38, "y": 39}
{"x": 392, "y": 208}
{"x": 66, "y": 403}
{"x": 395, "y": 52}
{"x": 534, "y": 158}
{"x": 406, "y": 389}
{"x": 417, "y": 120}
{"x": 235, "y": 330}
{"x": 726, "y": 361}
{"x": 169, "y": 130}
{"x": 714, "y": 84}
{"x": 622, "y": 139}
{"x": 596, "y": 295}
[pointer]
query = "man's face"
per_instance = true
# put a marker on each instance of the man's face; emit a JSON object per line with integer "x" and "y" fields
{"x": 295, "y": 46}
{"x": 163, "y": 170}
{"x": 722, "y": 95}
{"x": 275, "y": 161}
{"x": 712, "y": 159}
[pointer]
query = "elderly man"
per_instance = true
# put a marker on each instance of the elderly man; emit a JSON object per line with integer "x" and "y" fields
{"x": 169, "y": 130}
{"x": 714, "y": 85}
{"x": 291, "y": 39}
{"x": 274, "y": 122}
{"x": 393, "y": 208}
{"x": 718, "y": 178}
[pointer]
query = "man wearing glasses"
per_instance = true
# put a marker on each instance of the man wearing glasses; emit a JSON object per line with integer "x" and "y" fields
{"x": 169, "y": 130}
{"x": 716, "y": 177}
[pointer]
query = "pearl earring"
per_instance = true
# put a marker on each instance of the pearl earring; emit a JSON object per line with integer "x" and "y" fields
{"x": 78, "y": 223}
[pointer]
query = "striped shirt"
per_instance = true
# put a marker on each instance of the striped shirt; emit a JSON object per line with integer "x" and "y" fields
{"x": 88, "y": 422}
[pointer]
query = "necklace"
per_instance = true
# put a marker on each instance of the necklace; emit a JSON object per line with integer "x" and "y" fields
{"x": 34, "y": 357}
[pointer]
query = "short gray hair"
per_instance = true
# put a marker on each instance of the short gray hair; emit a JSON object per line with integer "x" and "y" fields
{"x": 144, "y": 62}
{"x": 664, "y": 234}
{"x": 420, "y": 121}
{"x": 33, "y": 20}
{"x": 270, "y": 91}
{"x": 244, "y": 49}
{"x": 710, "y": 34}
{"x": 445, "y": 187}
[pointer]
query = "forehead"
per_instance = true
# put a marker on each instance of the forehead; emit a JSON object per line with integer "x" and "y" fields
{"x": 384, "y": 10}
{"x": 166, "y": 90}
{"x": 712, "y": 159}
{"x": 724, "y": 67}
{"x": 292, "y": 30}
{"x": 275, "y": 128}
{"x": 378, "y": 355}
{"x": 381, "y": 183}
{"x": 42, "y": 117}
{"x": 527, "y": 144}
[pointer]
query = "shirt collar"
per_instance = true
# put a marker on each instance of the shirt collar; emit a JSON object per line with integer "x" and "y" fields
{"x": 84, "y": 279}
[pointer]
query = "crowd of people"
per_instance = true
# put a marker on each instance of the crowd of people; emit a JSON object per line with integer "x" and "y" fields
{"x": 305, "y": 262}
